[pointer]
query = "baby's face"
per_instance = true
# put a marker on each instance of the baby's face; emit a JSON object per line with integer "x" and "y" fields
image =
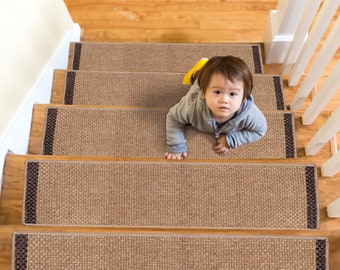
{"x": 223, "y": 97}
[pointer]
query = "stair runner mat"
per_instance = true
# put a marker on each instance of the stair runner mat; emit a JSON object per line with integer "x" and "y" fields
{"x": 171, "y": 194}
{"x": 137, "y": 132}
{"x": 55, "y": 251}
{"x": 153, "y": 89}
{"x": 157, "y": 57}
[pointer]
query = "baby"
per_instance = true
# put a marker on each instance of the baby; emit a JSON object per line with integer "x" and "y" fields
{"x": 218, "y": 102}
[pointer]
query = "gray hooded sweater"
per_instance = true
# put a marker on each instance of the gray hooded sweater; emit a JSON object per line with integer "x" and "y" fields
{"x": 246, "y": 126}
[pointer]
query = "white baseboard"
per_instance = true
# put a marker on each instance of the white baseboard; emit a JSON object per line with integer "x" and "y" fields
{"x": 16, "y": 136}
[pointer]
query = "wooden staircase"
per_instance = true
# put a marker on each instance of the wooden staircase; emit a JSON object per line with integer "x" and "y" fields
{"x": 11, "y": 200}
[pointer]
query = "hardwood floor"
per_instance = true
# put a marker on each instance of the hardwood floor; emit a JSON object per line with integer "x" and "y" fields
{"x": 211, "y": 21}
{"x": 190, "y": 21}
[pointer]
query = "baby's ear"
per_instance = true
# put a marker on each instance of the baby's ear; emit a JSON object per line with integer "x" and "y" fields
{"x": 202, "y": 93}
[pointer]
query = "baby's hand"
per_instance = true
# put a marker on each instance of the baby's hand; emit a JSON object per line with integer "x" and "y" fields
{"x": 221, "y": 149}
{"x": 168, "y": 155}
{"x": 222, "y": 146}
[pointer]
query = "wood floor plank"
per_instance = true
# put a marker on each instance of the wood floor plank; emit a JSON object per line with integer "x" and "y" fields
{"x": 181, "y": 21}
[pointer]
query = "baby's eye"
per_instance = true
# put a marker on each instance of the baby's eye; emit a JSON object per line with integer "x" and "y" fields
{"x": 233, "y": 94}
{"x": 217, "y": 92}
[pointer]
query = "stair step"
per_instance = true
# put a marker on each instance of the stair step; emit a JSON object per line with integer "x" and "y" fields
{"x": 14, "y": 171}
{"x": 140, "y": 132}
{"x": 161, "y": 251}
{"x": 154, "y": 89}
{"x": 155, "y": 57}
{"x": 171, "y": 194}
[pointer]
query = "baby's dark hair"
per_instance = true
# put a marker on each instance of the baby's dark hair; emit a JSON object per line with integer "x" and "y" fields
{"x": 233, "y": 68}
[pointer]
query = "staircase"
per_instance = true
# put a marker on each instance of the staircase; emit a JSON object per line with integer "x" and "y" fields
{"x": 273, "y": 197}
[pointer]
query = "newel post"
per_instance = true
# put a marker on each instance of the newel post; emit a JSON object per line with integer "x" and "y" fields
{"x": 281, "y": 26}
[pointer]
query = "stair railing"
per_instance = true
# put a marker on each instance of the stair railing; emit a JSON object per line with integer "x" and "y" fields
{"x": 316, "y": 17}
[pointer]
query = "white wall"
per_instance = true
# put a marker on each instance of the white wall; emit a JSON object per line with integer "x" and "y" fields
{"x": 35, "y": 35}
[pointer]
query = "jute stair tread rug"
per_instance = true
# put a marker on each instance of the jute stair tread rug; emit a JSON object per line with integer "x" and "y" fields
{"x": 155, "y": 89}
{"x": 157, "y": 57}
{"x": 149, "y": 251}
{"x": 137, "y": 132}
{"x": 171, "y": 194}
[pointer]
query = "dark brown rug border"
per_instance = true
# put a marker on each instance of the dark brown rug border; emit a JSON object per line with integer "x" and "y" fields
{"x": 312, "y": 198}
{"x": 278, "y": 87}
{"x": 30, "y": 193}
{"x": 289, "y": 128}
{"x": 76, "y": 55}
{"x": 321, "y": 254}
{"x": 257, "y": 58}
{"x": 50, "y": 125}
{"x": 69, "y": 87}
{"x": 20, "y": 248}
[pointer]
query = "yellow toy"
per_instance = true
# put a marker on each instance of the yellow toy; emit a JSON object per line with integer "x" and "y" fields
{"x": 197, "y": 66}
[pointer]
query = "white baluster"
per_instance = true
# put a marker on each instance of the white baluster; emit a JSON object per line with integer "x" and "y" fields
{"x": 331, "y": 166}
{"x": 325, "y": 93}
{"x": 326, "y": 53}
{"x": 319, "y": 27}
{"x": 333, "y": 209}
{"x": 325, "y": 133}
{"x": 300, "y": 35}
{"x": 281, "y": 27}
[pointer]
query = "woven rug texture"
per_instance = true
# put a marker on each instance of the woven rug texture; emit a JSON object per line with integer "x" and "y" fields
{"x": 123, "y": 251}
{"x": 213, "y": 192}
{"x": 136, "y": 132}
{"x": 163, "y": 194}
{"x": 153, "y": 89}
{"x": 156, "y": 57}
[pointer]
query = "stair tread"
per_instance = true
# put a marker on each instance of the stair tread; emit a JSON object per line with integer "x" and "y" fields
{"x": 145, "y": 128}
{"x": 14, "y": 171}
{"x": 171, "y": 194}
{"x": 162, "y": 89}
{"x": 174, "y": 57}
{"x": 131, "y": 251}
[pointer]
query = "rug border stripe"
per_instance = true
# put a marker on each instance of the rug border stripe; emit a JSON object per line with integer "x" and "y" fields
{"x": 70, "y": 78}
{"x": 257, "y": 59}
{"x": 312, "y": 198}
{"x": 289, "y": 135}
{"x": 321, "y": 254}
{"x": 50, "y": 125}
{"x": 76, "y": 55}
{"x": 31, "y": 188}
{"x": 20, "y": 248}
{"x": 278, "y": 88}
